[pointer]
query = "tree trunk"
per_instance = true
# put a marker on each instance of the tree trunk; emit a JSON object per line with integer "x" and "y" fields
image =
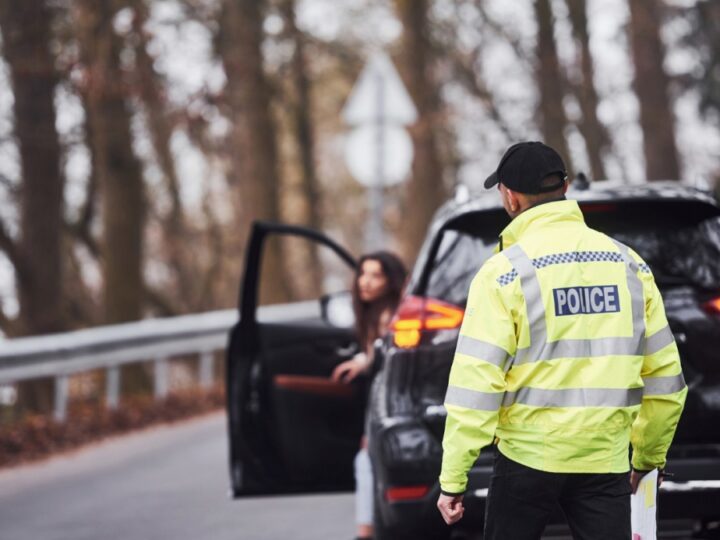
{"x": 596, "y": 137}
{"x": 239, "y": 45}
{"x": 26, "y": 37}
{"x": 651, "y": 86}
{"x": 707, "y": 32}
{"x": 303, "y": 131}
{"x": 118, "y": 170}
{"x": 426, "y": 190}
{"x": 549, "y": 80}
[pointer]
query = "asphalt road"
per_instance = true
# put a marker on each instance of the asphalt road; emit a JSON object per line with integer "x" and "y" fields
{"x": 168, "y": 483}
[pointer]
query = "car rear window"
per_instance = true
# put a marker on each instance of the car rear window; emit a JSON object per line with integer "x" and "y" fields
{"x": 688, "y": 255}
{"x": 680, "y": 244}
{"x": 458, "y": 259}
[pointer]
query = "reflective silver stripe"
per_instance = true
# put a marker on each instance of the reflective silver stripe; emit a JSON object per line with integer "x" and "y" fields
{"x": 473, "y": 399}
{"x": 481, "y": 350}
{"x": 657, "y": 386}
{"x": 533, "y": 300}
{"x": 636, "y": 296}
{"x": 581, "y": 348}
{"x": 659, "y": 340}
{"x": 575, "y": 397}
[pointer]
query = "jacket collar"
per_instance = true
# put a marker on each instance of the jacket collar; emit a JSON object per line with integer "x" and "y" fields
{"x": 535, "y": 218}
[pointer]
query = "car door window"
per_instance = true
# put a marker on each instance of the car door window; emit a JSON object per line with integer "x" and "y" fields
{"x": 310, "y": 271}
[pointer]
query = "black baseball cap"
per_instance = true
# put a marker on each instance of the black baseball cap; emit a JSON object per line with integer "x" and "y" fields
{"x": 525, "y": 165}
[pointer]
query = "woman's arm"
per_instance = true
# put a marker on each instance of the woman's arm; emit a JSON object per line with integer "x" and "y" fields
{"x": 350, "y": 369}
{"x": 362, "y": 361}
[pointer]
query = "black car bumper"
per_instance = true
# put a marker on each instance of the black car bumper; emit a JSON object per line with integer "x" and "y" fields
{"x": 693, "y": 490}
{"x": 692, "y": 494}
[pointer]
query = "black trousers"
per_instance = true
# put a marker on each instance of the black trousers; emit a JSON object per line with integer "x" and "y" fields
{"x": 521, "y": 500}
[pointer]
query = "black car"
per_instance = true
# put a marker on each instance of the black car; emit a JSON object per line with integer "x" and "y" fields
{"x": 292, "y": 430}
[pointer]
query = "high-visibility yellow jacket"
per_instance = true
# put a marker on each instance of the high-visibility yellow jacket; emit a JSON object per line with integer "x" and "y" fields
{"x": 565, "y": 355}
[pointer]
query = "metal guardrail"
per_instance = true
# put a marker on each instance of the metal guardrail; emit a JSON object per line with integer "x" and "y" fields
{"x": 108, "y": 347}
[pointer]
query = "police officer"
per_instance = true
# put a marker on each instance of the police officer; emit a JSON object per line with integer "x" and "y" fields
{"x": 565, "y": 358}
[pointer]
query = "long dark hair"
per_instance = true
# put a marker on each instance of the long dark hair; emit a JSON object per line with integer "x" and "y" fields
{"x": 367, "y": 314}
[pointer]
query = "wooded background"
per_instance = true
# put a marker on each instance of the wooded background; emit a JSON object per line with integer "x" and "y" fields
{"x": 140, "y": 138}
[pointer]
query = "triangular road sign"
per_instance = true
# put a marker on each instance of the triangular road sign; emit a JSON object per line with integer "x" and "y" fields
{"x": 379, "y": 93}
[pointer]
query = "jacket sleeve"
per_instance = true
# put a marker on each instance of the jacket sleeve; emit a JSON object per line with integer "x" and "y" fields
{"x": 665, "y": 389}
{"x": 477, "y": 380}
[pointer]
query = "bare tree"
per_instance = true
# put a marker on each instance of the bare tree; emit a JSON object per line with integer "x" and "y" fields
{"x": 117, "y": 167}
{"x": 118, "y": 170}
{"x": 239, "y": 45}
{"x": 302, "y": 127}
{"x": 652, "y": 89}
{"x": 160, "y": 127}
{"x": 707, "y": 39}
{"x": 36, "y": 254}
{"x": 553, "y": 119}
{"x": 426, "y": 189}
{"x": 26, "y": 37}
{"x": 593, "y": 131}
{"x": 708, "y": 24}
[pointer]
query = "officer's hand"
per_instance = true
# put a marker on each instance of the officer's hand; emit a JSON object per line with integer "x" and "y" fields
{"x": 636, "y": 476}
{"x": 451, "y": 508}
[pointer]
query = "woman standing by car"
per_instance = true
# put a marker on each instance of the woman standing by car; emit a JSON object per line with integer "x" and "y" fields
{"x": 376, "y": 292}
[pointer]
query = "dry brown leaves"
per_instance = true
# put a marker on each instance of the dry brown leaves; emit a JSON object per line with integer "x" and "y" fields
{"x": 37, "y": 437}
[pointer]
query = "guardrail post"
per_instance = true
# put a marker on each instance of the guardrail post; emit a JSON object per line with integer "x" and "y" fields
{"x": 206, "y": 369}
{"x": 62, "y": 385}
{"x": 161, "y": 377}
{"x": 112, "y": 387}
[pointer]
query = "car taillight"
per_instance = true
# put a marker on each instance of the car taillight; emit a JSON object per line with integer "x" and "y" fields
{"x": 406, "y": 493}
{"x": 713, "y": 306}
{"x": 416, "y": 314}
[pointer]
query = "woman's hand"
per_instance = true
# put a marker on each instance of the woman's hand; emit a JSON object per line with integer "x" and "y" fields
{"x": 348, "y": 370}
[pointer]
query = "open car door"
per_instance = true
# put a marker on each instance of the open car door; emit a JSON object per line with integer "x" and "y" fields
{"x": 291, "y": 429}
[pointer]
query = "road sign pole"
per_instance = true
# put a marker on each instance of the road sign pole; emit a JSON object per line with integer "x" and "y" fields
{"x": 375, "y": 232}
{"x": 378, "y": 150}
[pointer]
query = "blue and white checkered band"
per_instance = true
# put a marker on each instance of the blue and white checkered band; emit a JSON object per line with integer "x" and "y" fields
{"x": 645, "y": 268}
{"x": 569, "y": 257}
{"x": 508, "y": 278}
{"x": 577, "y": 257}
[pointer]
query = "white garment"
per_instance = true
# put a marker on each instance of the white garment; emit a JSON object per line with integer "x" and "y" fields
{"x": 363, "y": 488}
{"x": 643, "y": 505}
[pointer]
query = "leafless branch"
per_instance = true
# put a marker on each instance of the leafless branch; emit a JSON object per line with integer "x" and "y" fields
{"x": 160, "y": 302}
{"x": 501, "y": 30}
{"x": 467, "y": 76}
{"x": 7, "y": 325}
{"x": 8, "y": 246}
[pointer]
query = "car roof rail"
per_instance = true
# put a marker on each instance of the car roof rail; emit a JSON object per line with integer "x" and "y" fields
{"x": 581, "y": 181}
